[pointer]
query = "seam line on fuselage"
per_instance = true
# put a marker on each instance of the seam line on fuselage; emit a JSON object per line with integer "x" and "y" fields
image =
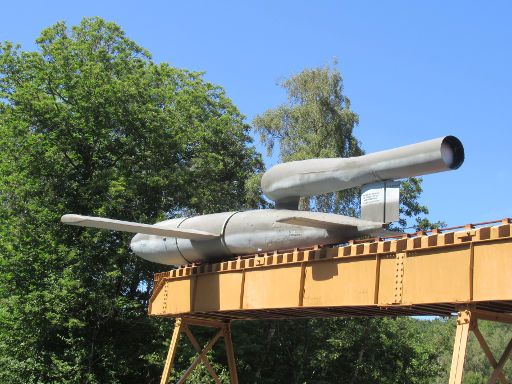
{"x": 176, "y": 240}
{"x": 223, "y": 232}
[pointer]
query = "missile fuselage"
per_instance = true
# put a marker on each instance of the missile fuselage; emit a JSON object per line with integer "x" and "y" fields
{"x": 247, "y": 232}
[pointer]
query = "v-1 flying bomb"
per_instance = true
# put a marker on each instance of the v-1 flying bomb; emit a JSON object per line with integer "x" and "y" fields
{"x": 216, "y": 236}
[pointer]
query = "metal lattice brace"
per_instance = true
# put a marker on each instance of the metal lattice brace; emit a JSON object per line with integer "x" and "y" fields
{"x": 182, "y": 326}
{"x": 467, "y": 321}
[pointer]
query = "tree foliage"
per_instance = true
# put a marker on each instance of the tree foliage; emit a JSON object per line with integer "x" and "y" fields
{"x": 90, "y": 124}
{"x": 345, "y": 350}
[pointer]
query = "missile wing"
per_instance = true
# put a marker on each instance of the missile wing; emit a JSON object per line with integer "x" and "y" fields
{"x": 363, "y": 227}
{"x": 128, "y": 226}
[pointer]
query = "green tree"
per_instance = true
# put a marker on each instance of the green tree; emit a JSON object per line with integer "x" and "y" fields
{"x": 343, "y": 350}
{"x": 90, "y": 124}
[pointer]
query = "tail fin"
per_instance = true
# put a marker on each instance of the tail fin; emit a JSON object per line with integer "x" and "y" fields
{"x": 380, "y": 201}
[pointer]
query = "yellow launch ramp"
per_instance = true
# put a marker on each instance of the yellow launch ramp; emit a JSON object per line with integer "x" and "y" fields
{"x": 468, "y": 271}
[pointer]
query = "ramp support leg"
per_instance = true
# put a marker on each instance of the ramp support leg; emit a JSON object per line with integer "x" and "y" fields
{"x": 172, "y": 351}
{"x": 467, "y": 321}
{"x": 182, "y": 326}
{"x": 459, "y": 347}
{"x": 230, "y": 353}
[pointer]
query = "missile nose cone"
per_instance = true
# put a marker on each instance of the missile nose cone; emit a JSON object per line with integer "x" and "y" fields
{"x": 138, "y": 245}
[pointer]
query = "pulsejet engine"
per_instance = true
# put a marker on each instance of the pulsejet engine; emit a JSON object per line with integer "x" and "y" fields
{"x": 208, "y": 238}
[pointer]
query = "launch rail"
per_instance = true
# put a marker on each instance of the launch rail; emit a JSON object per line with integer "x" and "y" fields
{"x": 466, "y": 271}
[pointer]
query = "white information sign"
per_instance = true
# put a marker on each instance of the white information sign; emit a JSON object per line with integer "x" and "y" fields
{"x": 380, "y": 201}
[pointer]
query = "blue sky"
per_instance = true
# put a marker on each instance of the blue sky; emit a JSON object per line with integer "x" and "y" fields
{"x": 413, "y": 70}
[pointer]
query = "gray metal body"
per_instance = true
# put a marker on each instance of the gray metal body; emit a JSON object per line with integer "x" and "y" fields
{"x": 285, "y": 183}
{"x": 212, "y": 237}
{"x": 248, "y": 232}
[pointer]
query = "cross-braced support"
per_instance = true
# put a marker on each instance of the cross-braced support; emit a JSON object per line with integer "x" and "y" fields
{"x": 468, "y": 321}
{"x": 182, "y": 326}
